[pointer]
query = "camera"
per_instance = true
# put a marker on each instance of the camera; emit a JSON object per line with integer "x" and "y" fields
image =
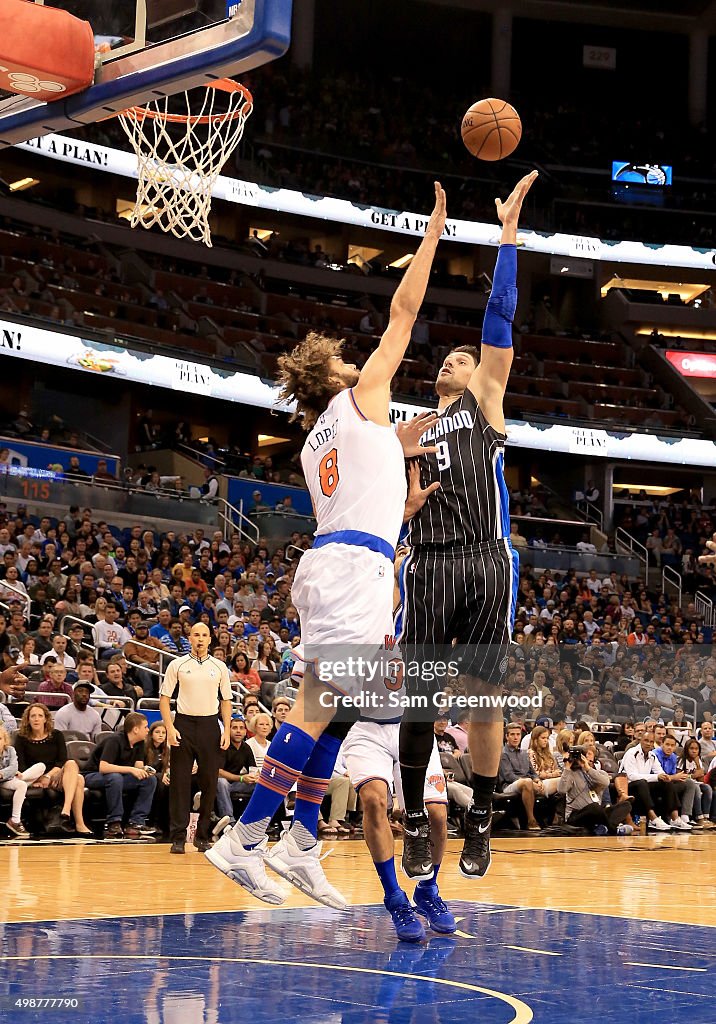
{"x": 575, "y": 756}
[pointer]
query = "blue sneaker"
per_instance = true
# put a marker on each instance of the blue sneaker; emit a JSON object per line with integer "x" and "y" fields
{"x": 408, "y": 926}
{"x": 601, "y": 830}
{"x": 429, "y": 903}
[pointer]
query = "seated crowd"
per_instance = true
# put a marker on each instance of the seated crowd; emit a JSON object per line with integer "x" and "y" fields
{"x": 90, "y": 620}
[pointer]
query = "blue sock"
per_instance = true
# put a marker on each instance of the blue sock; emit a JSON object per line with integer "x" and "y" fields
{"x": 387, "y": 876}
{"x": 285, "y": 758}
{"x": 311, "y": 789}
{"x": 430, "y": 883}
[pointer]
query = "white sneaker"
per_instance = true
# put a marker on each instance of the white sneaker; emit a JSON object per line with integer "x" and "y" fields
{"x": 681, "y": 825}
{"x": 659, "y": 825}
{"x": 302, "y": 868}
{"x": 245, "y": 867}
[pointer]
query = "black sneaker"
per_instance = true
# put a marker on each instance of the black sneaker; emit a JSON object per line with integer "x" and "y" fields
{"x": 417, "y": 860}
{"x": 475, "y": 856}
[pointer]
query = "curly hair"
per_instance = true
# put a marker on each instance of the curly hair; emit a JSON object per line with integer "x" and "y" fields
{"x": 304, "y": 377}
{"x": 25, "y": 729}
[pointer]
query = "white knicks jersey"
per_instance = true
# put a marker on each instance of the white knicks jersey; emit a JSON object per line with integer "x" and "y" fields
{"x": 355, "y": 472}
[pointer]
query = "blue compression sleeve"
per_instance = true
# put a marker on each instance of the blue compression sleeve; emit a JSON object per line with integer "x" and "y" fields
{"x": 500, "y": 312}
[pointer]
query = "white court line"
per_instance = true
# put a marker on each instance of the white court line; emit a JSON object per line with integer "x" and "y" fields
{"x": 528, "y": 949}
{"x": 665, "y": 967}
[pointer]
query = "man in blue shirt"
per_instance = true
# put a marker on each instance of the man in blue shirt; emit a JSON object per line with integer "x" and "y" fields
{"x": 685, "y": 787}
{"x": 252, "y": 626}
{"x": 161, "y": 630}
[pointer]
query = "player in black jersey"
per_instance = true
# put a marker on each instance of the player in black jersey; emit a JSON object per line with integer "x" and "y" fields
{"x": 462, "y": 574}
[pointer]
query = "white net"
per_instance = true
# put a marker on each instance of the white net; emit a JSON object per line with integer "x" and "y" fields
{"x": 181, "y": 154}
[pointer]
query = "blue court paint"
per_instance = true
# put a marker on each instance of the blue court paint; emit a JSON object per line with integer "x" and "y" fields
{"x": 320, "y": 967}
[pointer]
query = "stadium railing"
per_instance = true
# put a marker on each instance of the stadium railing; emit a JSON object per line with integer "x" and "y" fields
{"x": 105, "y": 496}
{"x": 20, "y": 596}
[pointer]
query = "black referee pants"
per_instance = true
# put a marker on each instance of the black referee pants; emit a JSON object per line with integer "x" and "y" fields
{"x": 200, "y": 737}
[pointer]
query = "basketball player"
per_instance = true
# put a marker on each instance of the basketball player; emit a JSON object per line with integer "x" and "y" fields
{"x": 462, "y": 574}
{"x": 370, "y": 754}
{"x": 354, "y": 467}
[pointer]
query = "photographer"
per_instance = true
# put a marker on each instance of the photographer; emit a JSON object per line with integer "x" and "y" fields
{"x": 583, "y": 785}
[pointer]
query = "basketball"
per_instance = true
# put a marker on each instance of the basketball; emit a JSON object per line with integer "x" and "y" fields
{"x": 491, "y": 129}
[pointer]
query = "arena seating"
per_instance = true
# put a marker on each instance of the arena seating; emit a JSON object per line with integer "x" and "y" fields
{"x": 552, "y": 635}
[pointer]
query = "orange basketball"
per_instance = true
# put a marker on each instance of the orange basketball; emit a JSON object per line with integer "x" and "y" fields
{"x": 491, "y": 129}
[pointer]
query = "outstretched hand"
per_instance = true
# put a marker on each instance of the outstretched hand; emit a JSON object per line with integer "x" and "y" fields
{"x": 417, "y": 495}
{"x": 709, "y": 559}
{"x": 509, "y": 211}
{"x": 437, "y": 217}
{"x": 410, "y": 432}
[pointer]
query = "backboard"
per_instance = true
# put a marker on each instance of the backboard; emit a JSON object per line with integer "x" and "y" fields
{"x": 151, "y": 48}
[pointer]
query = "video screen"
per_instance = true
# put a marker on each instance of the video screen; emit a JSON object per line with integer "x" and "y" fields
{"x": 654, "y": 175}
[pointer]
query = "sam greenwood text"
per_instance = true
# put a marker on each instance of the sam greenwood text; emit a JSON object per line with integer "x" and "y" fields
{"x": 438, "y": 700}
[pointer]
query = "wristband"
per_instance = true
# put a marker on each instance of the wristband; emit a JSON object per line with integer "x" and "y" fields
{"x": 501, "y": 305}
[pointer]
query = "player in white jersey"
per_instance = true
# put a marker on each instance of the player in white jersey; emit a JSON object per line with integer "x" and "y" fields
{"x": 355, "y": 473}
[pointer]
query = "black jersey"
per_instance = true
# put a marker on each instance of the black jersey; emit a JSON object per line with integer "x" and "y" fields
{"x": 471, "y": 505}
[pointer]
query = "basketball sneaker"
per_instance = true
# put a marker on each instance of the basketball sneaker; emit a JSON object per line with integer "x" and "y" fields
{"x": 245, "y": 867}
{"x": 475, "y": 858}
{"x": 430, "y": 904}
{"x": 417, "y": 859}
{"x": 408, "y": 926}
{"x": 303, "y": 869}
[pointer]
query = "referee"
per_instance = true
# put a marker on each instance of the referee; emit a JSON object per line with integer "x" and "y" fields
{"x": 204, "y": 691}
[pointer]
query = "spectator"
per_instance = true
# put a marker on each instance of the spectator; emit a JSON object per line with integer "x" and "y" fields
{"x": 459, "y": 730}
{"x": 140, "y": 657}
{"x": 102, "y": 475}
{"x": 79, "y": 716}
{"x": 678, "y": 726}
{"x": 280, "y": 708}
{"x": 690, "y": 764}
{"x": 109, "y": 635}
{"x": 118, "y": 767}
{"x": 117, "y": 686}
{"x": 542, "y": 760}
{"x": 38, "y": 742}
{"x": 74, "y": 471}
{"x": 14, "y": 783}
{"x": 447, "y": 744}
{"x": 239, "y": 773}
{"x": 516, "y": 538}
{"x": 650, "y": 786}
{"x": 55, "y": 684}
{"x": 158, "y": 753}
{"x": 707, "y": 743}
{"x": 583, "y": 785}
{"x": 259, "y": 726}
{"x": 58, "y": 651}
{"x": 517, "y": 777}
{"x": 684, "y": 787}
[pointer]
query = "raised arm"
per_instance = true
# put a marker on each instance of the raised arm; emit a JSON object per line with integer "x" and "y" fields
{"x": 489, "y": 381}
{"x": 372, "y": 391}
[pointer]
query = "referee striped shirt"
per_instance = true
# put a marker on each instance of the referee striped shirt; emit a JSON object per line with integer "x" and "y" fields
{"x": 471, "y": 506}
{"x": 202, "y": 683}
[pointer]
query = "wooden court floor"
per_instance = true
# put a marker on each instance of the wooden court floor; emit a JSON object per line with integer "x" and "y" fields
{"x": 622, "y": 928}
{"x": 647, "y": 877}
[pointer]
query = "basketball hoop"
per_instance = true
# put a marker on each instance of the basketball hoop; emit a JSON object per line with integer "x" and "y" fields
{"x": 180, "y": 155}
